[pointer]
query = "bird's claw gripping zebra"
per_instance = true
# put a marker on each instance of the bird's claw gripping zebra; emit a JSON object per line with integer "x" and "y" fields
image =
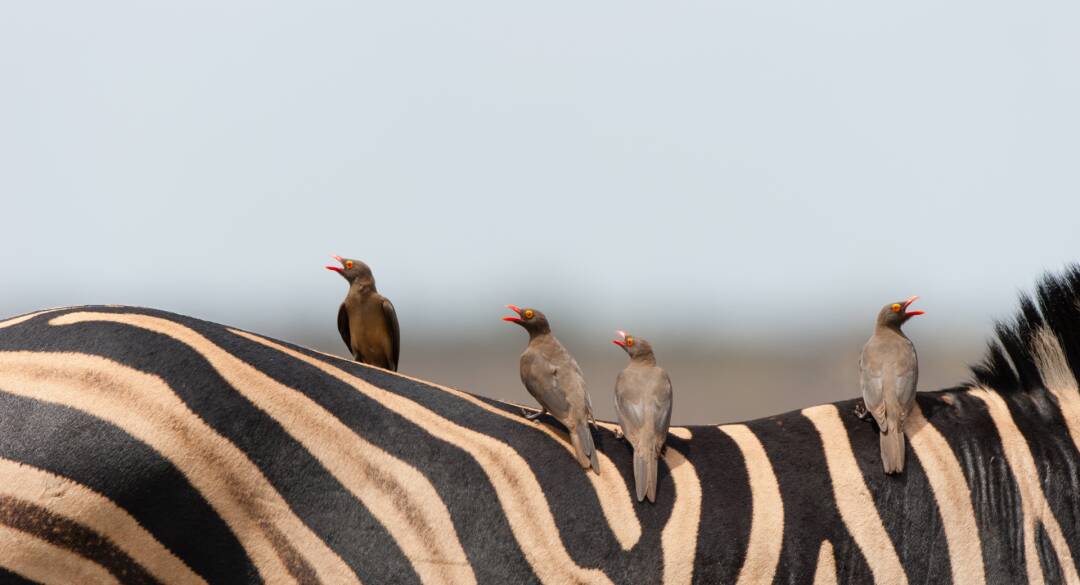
{"x": 860, "y": 411}
{"x": 138, "y": 446}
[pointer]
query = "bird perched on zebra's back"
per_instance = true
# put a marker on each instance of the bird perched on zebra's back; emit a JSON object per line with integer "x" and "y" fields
{"x": 367, "y": 320}
{"x": 889, "y": 373}
{"x": 643, "y": 404}
{"x": 554, "y": 379}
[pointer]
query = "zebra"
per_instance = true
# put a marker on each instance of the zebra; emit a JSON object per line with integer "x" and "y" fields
{"x": 140, "y": 446}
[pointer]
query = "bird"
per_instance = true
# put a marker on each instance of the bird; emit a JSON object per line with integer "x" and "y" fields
{"x": 643, "y": 403}
{"x": 554, "y": 379}
{"x": 888, "y": 375}
{"x": 367, "y": 320}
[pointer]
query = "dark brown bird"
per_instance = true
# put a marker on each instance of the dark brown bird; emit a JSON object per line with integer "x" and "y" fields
{"x": 889, "y": 373}
{"x": 643, "y": 403}
{"x": 366, "y": 320}
{"x": 555, "y": 380}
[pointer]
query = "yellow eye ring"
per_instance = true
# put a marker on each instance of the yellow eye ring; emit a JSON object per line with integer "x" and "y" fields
{"x": 529, "y": 313}
{"x": 896, "y": 308}
{"x": 629, "y": 342}
{"x": 348, "y": 264}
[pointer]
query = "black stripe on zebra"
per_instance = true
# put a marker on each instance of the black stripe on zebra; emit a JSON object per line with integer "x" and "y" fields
{"x": 96, "y": 454}
{"x": 912, "y": 520}
{"x": 795, "y": 448}
{"x": 725, "y": 513}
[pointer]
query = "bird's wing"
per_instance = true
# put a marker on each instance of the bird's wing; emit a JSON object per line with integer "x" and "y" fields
{"x": 343, "y": 327}
{"x": 907, "y": 379}
{"x": 873, "y": 390}
{"x": 393, "y": 330}
{"x": 620, "y": 405}
{"x": 634, "y": 410}
{"x": 662, "y": 403}
{"x": 541, "y": 379}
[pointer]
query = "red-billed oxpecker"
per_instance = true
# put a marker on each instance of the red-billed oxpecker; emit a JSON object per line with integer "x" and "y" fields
{"x": 889, "y": 373}
{"x": 643, "y": 404}
{"x": 555, "y": 380}
{"x": 366, "y": 320}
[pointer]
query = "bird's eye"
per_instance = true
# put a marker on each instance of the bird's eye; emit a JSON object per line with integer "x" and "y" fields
{"x": 529, "y": 313}
{"x": 896, "y": 308}
{"x": 629, "y": 342}
{"x": 348, "y": 264}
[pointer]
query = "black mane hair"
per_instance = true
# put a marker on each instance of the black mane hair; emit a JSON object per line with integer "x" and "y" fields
{"x": 1009, "y": 365}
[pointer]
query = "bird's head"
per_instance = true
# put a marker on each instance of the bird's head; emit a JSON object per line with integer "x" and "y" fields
{"x": 896, "y": 314}
{"x": 531, "y": 319}
{"x": 634, "y": 346}
{"x": 352, "y": 270}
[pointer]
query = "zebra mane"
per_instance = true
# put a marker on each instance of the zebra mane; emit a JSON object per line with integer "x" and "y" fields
{"x": 1045, "y": 329}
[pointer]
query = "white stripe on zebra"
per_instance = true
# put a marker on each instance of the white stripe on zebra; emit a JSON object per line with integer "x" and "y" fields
{"x": 953, "y": 497}
{"x": 72, "y": 500}
{"x": 767, "y": 509}
{"x": 27, "y": 317}
{"x": 825, "y": 573}
{"x": 679, "y": 538}
{"x": 1032, "y": 500}
{"x": 41, "y": 561}
{"x": 853, "y": 499}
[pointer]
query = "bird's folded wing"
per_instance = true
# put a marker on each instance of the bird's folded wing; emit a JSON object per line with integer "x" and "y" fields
{"x": 392, "y": 329}
{"x": 343, "y": 326}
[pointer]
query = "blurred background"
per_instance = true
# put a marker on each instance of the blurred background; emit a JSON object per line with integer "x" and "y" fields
{"x": 744, "y": 184}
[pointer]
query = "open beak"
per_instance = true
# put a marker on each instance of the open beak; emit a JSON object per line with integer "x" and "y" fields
{"x": 337, "y": 269}
{"x": 513, "y": 319}
{"x": 907, "y": 304}
{"x": 620, "y": 342}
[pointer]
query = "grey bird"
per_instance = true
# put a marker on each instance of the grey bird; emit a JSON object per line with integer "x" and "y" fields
{"x": 889, "y": 373}
{"x": 643, "y": 404}
{"x": 367, "y": 320}
{"x": 555, "y": 380}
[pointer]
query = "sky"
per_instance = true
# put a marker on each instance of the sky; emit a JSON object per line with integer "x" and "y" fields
{"x": 765, "y": 171}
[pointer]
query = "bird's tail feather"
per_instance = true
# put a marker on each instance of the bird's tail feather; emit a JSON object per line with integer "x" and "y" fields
{"x": 582, "y": 440}
{"x": 892, "y": 449}
{"x": 641, "y": 473}
{"x": 645, "y": 463}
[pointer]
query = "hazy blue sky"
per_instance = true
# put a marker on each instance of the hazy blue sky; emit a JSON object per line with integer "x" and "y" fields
{"x": 729, "y": 168}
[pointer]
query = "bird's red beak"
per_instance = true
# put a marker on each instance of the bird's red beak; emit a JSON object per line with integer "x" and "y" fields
{"x": 513, "y": 319}
{"x": 337, "y": 269}
{"x": 620, "y": 342}
{"x": 907, "y": 304}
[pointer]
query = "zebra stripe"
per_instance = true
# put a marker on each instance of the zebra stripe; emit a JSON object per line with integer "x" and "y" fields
{"x": 825, "y": 572}
{"x": 853, "y": 499}
{"x": 1036, "y": 509}
{"x": 767, "y": 521}
{"x": 37, "y": 521}
{"x": 24, "y": 318}
{"x": 64, "y": 498}
{"x": 679, "y": 537}
{"x": 146, "y": 408}
{"x": 952, "y": 495}
{"x": 39, "y": 560}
